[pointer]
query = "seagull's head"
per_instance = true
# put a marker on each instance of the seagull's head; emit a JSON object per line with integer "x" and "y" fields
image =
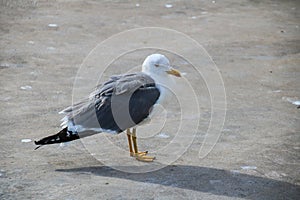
{"x": 158, "y": 64}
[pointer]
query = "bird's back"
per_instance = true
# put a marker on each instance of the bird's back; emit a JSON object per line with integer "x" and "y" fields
{"x": 120, "y": 103}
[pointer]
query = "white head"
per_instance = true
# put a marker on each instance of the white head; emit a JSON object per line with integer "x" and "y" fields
{"x": 157, "y": 64}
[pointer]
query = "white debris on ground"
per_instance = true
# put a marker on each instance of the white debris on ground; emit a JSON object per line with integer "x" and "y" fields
{"x": 168, "y": 5}
{"x": 137, "y": 5}
{"x": 4, "y": 65}
{"x": 64, "y": 144}
{"x": 7, "y": 65}
{"x": 248, "y": 167}
{"x": 26, "y": 87}
{"x": 2, "y": 172}
{"x": 34, "y": 73}
{"x": 276, "y": 91}
{"x": 245, "y": 168}
{"x": 52, "y": 25}
{"x": 26, "y": 140}
{"x": 162, "y": 135}
{"x": 196, "y": 17}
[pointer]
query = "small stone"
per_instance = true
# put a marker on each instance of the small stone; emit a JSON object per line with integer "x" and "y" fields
{"x": 248, "y": 167}
{"x": 168, "y": 5}
{"x": 26, "y": 140}
{"x": 26, "y": 87}
{"x": 52, "y": 25}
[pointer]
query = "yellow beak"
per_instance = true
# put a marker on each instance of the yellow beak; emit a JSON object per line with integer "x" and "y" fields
{"x": 174, "y": 72}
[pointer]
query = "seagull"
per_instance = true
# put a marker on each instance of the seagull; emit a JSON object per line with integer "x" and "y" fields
{"x": 122, "y": 103}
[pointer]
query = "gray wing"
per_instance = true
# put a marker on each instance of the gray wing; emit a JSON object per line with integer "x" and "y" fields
{"x": 121, "y": 102}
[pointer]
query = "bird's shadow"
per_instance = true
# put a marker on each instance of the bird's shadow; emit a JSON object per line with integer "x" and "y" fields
{"x": 204, "y": 179}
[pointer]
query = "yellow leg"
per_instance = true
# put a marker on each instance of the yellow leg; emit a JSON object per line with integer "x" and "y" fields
{"x": 129, "y": 137}
{"x": 134, "y": 140}
{"x": 141, "y": 156}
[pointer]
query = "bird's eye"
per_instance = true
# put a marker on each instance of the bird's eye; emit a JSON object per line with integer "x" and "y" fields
{"x": 156, "y": 65}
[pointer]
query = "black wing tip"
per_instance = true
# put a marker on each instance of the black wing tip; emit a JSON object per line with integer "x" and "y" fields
{"x": 60, "y": 137}
{"x": 37, "y": 143}
{"x": 37, "y": 147}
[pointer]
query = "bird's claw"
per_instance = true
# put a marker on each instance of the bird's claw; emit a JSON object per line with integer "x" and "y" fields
{"x": 142, "y": 153}
{"x": 141, "y": 156}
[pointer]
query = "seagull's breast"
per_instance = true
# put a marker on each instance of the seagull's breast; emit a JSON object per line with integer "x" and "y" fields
{"x": 166, "y": 86}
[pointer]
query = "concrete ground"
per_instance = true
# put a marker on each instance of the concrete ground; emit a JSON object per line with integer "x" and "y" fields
{"x": 256, "y": 46}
